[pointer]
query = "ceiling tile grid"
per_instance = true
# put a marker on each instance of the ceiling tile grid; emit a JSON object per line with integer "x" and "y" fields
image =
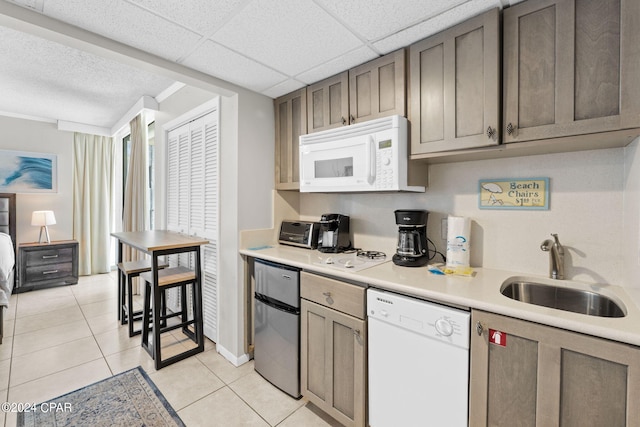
{"x": 201, "y": 16}
{"x": 290, "y": 36}
{"x": 217, "y": 60}
{"x": 377, "y": 19}
{"x": 269, "y": 46}
{"x": 436, "y": 24}
{"x": 125, "y": 23}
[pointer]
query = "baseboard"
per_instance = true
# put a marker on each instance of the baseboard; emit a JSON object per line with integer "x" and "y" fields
{"x": 237, "y": 361}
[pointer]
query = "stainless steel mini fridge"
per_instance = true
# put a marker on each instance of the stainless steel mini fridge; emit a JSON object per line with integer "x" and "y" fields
{"x": 277, "y": 325}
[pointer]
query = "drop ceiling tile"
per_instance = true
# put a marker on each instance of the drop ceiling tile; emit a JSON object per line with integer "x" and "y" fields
{"x": 342, "y": 63}
{"x": 42, "y": 78}
{"x": 218, "y": 61}
{"x": 283, "y": 88}
{"x": 126, "y": 23}
{"x": 433, "y": 26}
{"x": 290, "y": 36}
{"x": 375, "y": 19}
{"x": 202, "y": 16}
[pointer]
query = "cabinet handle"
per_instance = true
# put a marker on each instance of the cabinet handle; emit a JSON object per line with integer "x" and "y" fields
{"x": 351, "y": 119}
{"x": 286, "y": 276}
{"x": 327, "y": 294}
{"x": 50, "y": 272}
{"x": 344, "y": 121}
{"x": 490, "y": 132}
{"x": 510, "y": 128}
{"x": 356, "y": 332}
{"x": 479, "y": 328}
{"x": 49, "y": 256}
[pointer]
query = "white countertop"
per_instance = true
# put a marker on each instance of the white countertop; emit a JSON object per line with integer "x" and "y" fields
{"x": 482, "y": 291}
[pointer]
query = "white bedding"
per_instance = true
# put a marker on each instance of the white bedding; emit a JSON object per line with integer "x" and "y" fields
{"x": 7, "y": 256}
{"x": 7, "y": 261}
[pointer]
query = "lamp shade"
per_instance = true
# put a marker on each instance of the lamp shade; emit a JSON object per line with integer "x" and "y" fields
{"x": 43, "y": 218}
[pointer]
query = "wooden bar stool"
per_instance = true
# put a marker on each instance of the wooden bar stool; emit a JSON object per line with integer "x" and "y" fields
{"x": 155, "y": 321}
{"x": 127, "y": 271}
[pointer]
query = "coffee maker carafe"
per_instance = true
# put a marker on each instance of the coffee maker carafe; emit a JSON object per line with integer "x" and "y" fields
{"x": 334, "y": 233}
{"x": 412, "y": 248}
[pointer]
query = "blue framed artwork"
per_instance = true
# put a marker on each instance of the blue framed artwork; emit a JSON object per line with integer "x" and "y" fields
{"x": 26, "y": 172}
{"x": 516, "y": 193}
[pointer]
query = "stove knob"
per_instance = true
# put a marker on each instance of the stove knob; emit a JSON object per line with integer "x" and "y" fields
{"x": 444, "y": 327}
{"x": 329, "y": 260}
{"x": 348, "y": 264}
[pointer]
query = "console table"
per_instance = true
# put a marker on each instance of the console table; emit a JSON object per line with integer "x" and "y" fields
{"x": 43, "y": 265}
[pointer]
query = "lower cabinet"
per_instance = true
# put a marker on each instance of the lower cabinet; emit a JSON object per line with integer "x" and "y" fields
{"x": 527, "y": 374}
{"x": 333, "y": 347}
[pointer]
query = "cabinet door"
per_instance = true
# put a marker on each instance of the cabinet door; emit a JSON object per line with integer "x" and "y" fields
{"x": 544, "y": 376}
{"x": 454, "y": 87}
{"x": 333, "y": 362}
{"x": 328, "y": 103}
{"x": 378, "y": 88}
{"x": 291, "y": 122}
{"x": 571, "y": 67}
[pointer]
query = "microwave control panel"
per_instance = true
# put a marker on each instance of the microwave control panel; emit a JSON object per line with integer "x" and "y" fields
{"x": 385, "y": 174}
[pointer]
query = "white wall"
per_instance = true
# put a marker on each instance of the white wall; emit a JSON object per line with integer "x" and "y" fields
{"x": 246, "y": 182}
{"x": 586, "y": 204}
{"x": 630, "y": 239}
{"x": 40, "y": 137}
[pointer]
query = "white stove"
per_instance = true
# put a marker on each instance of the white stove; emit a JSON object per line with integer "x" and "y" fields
{"x": 351, "y": 261}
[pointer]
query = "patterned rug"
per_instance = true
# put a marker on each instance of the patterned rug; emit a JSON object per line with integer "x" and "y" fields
{"x": 127, "y": 399}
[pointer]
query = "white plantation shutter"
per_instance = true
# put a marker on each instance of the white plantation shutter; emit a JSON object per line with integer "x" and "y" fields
{"x": 172, "y": 180}
{"x": 192, "y": 205}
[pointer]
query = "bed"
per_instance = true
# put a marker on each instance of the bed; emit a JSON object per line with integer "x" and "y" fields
{"x": 7, "y": 252}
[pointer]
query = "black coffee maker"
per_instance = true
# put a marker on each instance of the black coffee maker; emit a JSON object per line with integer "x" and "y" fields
{"x": 334, "y": 233}
{"x": 412, "y": 248}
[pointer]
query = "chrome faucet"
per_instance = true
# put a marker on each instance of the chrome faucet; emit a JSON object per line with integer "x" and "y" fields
{"x": 556, "y": 257}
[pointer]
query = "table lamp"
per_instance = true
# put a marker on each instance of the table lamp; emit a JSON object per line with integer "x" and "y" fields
{"x": 43, "y": 219}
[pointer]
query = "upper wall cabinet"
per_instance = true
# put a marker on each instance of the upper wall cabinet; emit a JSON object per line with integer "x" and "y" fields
{"x": 328, "y": 103}
{"x": 371, "y": 90}
{"x": 378, "y": 88}
{"x": 454, "y": 87}
{"x": 571, "y": 67}
{"x": 291, "y": 122}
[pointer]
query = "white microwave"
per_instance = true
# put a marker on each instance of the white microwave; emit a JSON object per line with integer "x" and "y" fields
{"x": 367, "y": 156}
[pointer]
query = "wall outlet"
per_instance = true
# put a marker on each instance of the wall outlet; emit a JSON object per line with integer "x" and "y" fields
{"x": 444, "y": 225}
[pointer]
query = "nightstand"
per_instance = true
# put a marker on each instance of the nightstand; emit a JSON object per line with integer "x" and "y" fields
{"x": 43, "y": 265}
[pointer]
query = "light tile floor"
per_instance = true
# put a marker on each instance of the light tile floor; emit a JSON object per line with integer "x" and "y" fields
{"x": 60, "y": 339}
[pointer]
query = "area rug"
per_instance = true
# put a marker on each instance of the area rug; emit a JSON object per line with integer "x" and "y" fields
{"x": 127, "y": 399}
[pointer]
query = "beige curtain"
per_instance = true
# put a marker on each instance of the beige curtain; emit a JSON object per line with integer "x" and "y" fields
{"x": 93, "y": 195}
{"x": 135, "y": 211}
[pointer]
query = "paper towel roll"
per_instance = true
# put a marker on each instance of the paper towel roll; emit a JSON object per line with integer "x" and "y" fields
{"x": 458, "y": 241}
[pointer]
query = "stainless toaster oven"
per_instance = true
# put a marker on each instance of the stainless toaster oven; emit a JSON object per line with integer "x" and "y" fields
{"x": 303, "y": 234}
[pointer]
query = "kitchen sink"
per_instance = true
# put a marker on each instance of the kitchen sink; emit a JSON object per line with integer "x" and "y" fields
{"x": 568, "y": 296}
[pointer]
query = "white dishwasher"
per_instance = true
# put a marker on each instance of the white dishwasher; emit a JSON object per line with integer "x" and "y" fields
{"x": 418, "y": 362}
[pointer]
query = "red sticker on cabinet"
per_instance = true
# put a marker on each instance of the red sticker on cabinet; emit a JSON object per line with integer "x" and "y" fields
{"x": 497, "y": 338}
